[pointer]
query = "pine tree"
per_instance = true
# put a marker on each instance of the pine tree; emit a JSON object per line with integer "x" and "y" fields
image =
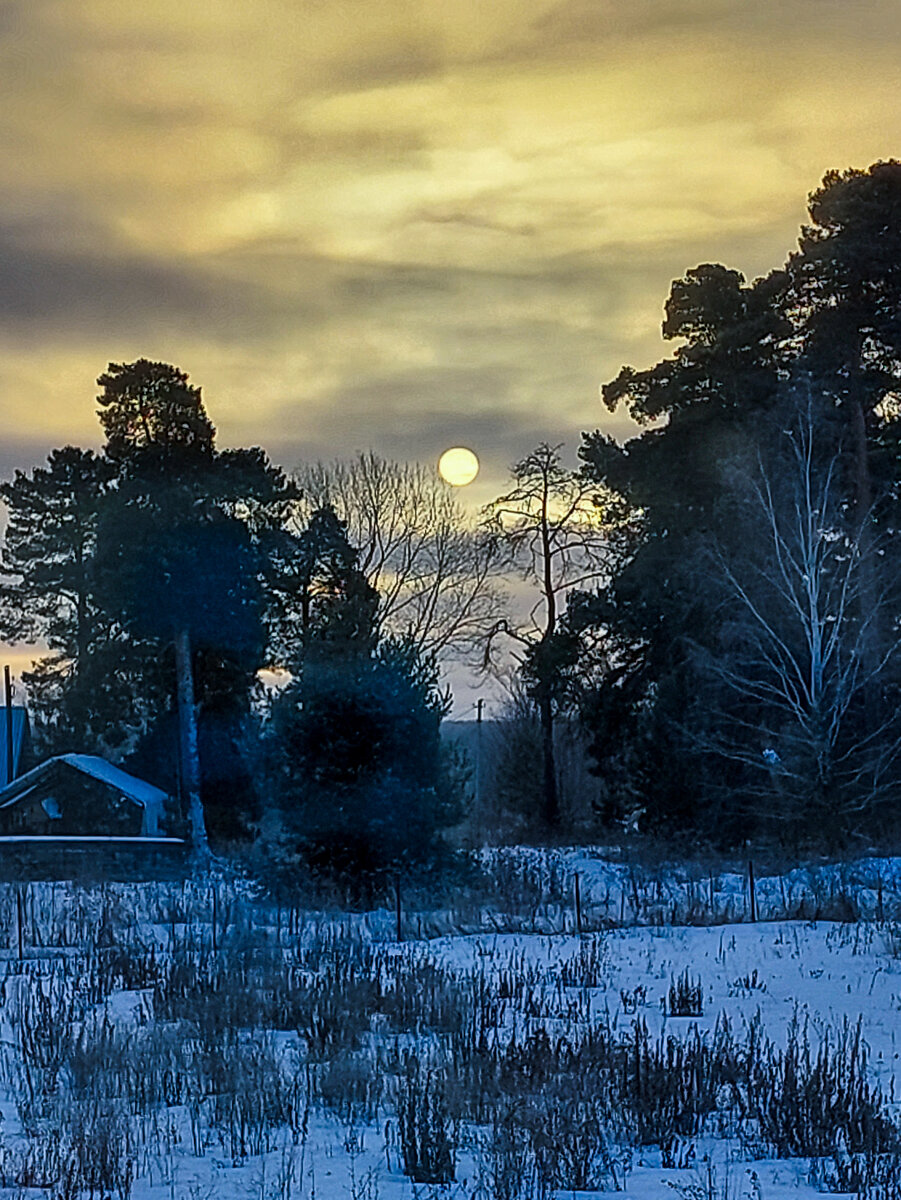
{"x": 85, "y": 692}
{"x": 363, "y": 775}
{"x": 182, "y": 542}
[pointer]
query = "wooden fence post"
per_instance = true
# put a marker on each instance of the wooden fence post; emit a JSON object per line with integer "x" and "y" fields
{"x": 752, "y": 892}
{"x": 20, "y": 921}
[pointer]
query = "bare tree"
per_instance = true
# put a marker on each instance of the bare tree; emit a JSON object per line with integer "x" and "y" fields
{"x": 439, "y": 577}
{"x": 552, "y": 526}
{"x": 806, "y": 655}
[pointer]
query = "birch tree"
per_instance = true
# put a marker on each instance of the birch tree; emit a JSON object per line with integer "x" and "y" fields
{"x": 801, "y": 657}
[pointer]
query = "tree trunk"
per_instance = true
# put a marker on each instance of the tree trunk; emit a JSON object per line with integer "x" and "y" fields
{"x": 870, "y": 615}
{"x": 189, "y": 754}
{"x": 545, "y": 702}
{"x": 551, "y": 800}
{"x": 82, "y": 635}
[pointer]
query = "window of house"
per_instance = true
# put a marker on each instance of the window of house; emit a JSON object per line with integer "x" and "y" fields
{"x": 51, "y": 808}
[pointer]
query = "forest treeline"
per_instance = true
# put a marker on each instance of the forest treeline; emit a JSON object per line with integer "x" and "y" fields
{"x": 716, "y": 601}
{"x": 165, "y": 575}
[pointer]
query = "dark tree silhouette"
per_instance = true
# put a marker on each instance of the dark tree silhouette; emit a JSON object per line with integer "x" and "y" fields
{"x": 830, "y": 318}
{"x": 438, "y": 577}
{"x": 846, "y": 299}
{"x": 552, "y": 526}
{"x": 363, "y": 773}
{"x": 713, "y": 394}
{"x": 181, "y": 542}
{"x": 84, "y": 691}
{"x": 321, "y": 595}
{"x": 151, "y": 406}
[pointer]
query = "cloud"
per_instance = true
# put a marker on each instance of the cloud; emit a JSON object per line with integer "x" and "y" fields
{"x": 58, "y": 295}
{"x": 388, "y": 224}
{"x": 403, "y": 221}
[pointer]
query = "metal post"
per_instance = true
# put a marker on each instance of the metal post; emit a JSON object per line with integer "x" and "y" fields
{"x": 8, "y": 686}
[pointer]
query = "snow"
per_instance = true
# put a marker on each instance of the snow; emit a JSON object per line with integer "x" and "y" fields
{"x": 141, "y": 792}
{"x": 64, "y": 839}
{"x": 817, "y": 974}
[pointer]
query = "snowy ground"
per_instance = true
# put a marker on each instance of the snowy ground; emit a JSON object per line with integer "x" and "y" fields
{"x": 818, "y": 973}
{"x": 817, "y": 978}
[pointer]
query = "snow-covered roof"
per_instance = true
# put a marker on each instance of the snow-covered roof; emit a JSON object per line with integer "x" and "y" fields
{"x": 139, "y": 790}
{"x": 78, "y": 839}
{"x": 144, "y": 794}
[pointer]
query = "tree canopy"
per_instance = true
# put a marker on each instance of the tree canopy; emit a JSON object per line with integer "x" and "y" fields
{"x": 824, "y": 326}
{"x": 715, "y": 598}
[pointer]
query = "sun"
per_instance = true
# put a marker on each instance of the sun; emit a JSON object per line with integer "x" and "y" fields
{"x": 458, "y": 466}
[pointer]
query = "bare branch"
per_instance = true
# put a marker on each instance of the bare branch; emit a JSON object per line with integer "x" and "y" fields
{"x": 439, "y": 578}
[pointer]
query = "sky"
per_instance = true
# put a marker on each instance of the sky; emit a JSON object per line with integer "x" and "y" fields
{"x": 401, "y": 224}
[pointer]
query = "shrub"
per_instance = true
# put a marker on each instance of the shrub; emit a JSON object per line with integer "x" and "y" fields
{"x": 426, "y": 1137}
{"x": 686, "y": 997}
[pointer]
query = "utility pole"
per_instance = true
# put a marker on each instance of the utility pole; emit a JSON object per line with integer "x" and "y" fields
{"x": 480, "y": 815}
{"x": 8, "y": 687}
{"x": 479, "y": 706}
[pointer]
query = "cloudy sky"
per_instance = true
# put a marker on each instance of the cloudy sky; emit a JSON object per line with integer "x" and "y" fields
{"x": 400, "y": 224}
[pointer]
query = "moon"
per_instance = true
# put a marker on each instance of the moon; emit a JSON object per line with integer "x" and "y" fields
{"x": 458, "y": 466}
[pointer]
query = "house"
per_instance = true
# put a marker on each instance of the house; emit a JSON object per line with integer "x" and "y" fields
{"x": 20, "y": 739}
{"x": 77, "y": 814}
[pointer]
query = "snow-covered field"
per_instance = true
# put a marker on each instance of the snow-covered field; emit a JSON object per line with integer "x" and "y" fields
{"x": 193, "y": 1041}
